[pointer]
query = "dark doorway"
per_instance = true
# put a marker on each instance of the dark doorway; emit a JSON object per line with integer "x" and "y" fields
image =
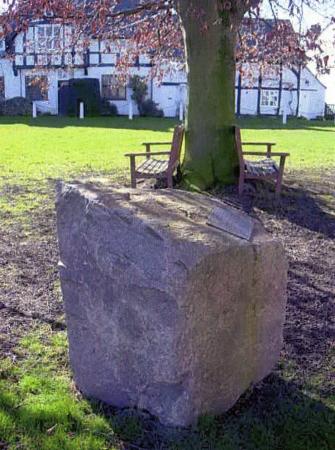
{"x": 72, "y": 92}
{"x": 63, "y": 97}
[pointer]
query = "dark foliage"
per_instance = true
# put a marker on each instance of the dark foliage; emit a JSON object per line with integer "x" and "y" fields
{"x": 81, "y": 90}
{"x": 17, "y": 106}
{"x": 146, "y": 107}
{"x": 107, "y": 108}
{"x": 149, "y": 109}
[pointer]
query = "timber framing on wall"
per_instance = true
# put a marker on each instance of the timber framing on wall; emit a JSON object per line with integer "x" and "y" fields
{"x": 280, "y": 88}
{"x": 298, "y": 91}
{"x": 239, "y": 94}
{"x": 86, "y": 56}
{"x": 259, "y": 88}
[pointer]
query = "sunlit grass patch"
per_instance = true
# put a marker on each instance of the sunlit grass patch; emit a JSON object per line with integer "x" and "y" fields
{"x": 41, "y": 409}
{"x": 35, "y": 153}
{"x": 39, "y": 406}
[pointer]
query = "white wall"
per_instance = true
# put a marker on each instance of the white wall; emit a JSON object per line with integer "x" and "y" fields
{"x": 312, "y": 96}
{"x": 12, "y": 84}
{"x": 169, "y": 92}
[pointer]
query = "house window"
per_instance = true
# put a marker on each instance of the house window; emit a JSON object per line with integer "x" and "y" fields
{"x": 2, "y": 88}
{"x": 112, "y": 89}
{"x": 37, "y": 88}
{"x": 48, "y": 37}
{"x": 269, "y": 98}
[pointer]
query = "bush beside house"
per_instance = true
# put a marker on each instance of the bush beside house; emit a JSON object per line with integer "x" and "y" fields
{"x": 17, "y": 106}
{"x": 146, "y": 106}
{"x": 107, "y": 108}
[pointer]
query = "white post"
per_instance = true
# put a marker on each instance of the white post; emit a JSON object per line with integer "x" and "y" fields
{"x": 285, "y": 115}
{"x": 181, "y": 111}
{"x": 34, "y": 110}
{"x": 81, "y": 110}
{"x": 131, "y": 111}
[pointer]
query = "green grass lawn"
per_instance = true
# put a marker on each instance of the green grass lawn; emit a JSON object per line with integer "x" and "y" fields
{"x": 39, "y": 406}
{"x": 59, "y": 147}
{"x": 33, "y": 151}
{"x": 311, "y": 144}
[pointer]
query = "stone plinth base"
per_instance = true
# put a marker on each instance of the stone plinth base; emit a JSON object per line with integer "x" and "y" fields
{"x": 165, "y": 312}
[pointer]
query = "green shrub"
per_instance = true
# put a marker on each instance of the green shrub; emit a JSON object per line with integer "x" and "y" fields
{"x": 17, "y": 106}
{"x": 150, "y": 109}
{"x": 146, "y": 107}
{"x": 140, "y": 90}
{"x": 107, "y": 108}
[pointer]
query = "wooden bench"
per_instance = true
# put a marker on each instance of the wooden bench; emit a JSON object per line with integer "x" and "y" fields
{"x": 157, "y": 168}
{"x": 265, "y": 169}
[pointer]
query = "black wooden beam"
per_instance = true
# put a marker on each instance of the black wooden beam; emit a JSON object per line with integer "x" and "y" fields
{"x": 239, "y": 91}
{"x": 280, "y": 88}
{"x": 298, "y": 91}
{"x": 259, "y": 88}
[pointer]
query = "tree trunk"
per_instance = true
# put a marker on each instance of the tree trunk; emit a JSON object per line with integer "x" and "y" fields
{"x": 210, "y": 43}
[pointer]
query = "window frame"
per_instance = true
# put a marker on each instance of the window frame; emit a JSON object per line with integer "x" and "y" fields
{"x": 48, "y": 38}
{"x": 267, "y": 98}
{"x": 107, "y": 88}
{"x": 44, "y": 96}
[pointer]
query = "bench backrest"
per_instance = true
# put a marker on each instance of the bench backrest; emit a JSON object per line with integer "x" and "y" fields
{"x": 177, "y": 142}
{"x": 238, "y": 145}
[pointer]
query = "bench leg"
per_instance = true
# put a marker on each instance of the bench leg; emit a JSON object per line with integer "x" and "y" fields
{"x": 132, "y": 172}
{"x": 170, "y": 180}
{"x": 278, "y": 186}
{"x": 133, "y": 181}
{"x": 241, "y": 185}
{"x": 280, "y": 176}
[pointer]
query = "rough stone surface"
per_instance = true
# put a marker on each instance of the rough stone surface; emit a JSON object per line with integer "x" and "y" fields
{"x": 165, "y": 312}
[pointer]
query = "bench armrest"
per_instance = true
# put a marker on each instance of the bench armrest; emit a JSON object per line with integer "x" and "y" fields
{"x": 156, "y": 143}
{"x": 266, "y": 154}
{"x": 280, "y": 154}
{"x": 268, "y": 146}
{"x": 259, "y": 143}
{"x": 256, "y": 153}
{"x": 132, "y": 155}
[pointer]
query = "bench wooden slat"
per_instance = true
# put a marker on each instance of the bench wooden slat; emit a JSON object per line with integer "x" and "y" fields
{"x": 265, "y": 169}
{"x": 152, "y": 166}
{"x": 155, "y": 168}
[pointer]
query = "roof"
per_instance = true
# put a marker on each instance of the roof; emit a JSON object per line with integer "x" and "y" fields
{"x": 316, "y": 78}
{"x": 271, "y": 40}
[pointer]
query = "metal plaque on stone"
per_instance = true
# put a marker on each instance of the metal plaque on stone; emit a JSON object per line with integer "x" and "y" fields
{"x": 232, "y": 221}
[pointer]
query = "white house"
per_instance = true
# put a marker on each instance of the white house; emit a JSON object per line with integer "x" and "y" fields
{"x": 36, "y": 53}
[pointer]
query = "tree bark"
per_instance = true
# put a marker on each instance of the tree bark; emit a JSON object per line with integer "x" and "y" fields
{"x": 210, "y": 44}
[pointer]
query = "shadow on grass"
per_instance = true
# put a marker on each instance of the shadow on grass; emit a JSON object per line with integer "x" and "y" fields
{"x": 55, "y": 324}
{"x": 276, "y": 123}
{"x": 120, "y": 122}
{"x": 274, "y": 415}
{"x": 159, "y": 124}
{"x": 297, "y": 205}
{"x": 303, "y": 219}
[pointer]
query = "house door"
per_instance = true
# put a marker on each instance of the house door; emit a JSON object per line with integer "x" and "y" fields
{"x": 63, "y": 97}
{"x": 304, "y": 106}
{"x": 167, "y": 97}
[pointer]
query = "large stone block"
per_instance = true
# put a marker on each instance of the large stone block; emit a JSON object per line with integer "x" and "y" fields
{"x": 165, "y": 312}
